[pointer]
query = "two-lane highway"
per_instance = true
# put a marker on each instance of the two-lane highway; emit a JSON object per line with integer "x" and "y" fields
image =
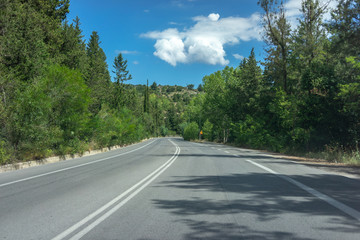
{"x": 168, "y": 188}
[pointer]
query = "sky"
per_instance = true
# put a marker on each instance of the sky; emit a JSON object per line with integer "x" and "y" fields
{"x": 176, "y": 42}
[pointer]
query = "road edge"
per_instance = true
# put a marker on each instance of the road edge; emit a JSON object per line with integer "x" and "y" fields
{"x": 22, "y": 165}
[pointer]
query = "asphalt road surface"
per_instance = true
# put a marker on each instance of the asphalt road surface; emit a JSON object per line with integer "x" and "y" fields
{"x": 168, "y": 188}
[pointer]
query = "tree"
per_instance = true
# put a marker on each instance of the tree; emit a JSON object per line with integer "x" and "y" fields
{"x": 22, "y": 41}
{"x": 317, "y": 83}
{"x": 216, "y": 101}
{"x": 97, "y": 77}
{"x": 53, "y": 13}
{"x": 345, "y": 35}
{"x": 153, "y": 86}
{"x": 244, "y": 85}
{"x": 121, "y": 75}
{"x": 74, "y": 47}
{"x": 50, "y": 114}
{"x": 345, "y": 28}
{"x": 190, "y": 86}
{"x": 146, "y": 98}
{"x": 277, "y": 37}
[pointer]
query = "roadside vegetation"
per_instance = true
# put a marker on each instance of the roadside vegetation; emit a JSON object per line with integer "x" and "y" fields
{"x": 56, "y": 93}
{"x": 304, "y": 99}
{"x": 57, "y": 96}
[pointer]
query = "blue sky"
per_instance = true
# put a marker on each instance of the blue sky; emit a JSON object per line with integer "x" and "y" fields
{"x": 175, "y": 42}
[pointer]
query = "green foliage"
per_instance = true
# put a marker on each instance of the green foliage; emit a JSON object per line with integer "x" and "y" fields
{"x": 252, "y": 132}
{"x": 164, "y": 131}
{"x": 146, "y": 98}
{"x": 5, "y": 152}
{"x": 121, "y": 75}
{"x": 51, "y": 112}
{"x": 115, "y": 127}
{"x": 23, "y": 45}
{"x": 73, "y": 48}
{"x": 154, "y": 86}
{"x": 208, "y": 130}
{"x": 97, "y": 76}
{"x": 191, "y": 131}
{"x": 277, "y": 37}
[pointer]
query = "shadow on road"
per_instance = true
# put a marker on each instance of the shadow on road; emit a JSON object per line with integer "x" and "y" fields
{"x": 264, "y": 197}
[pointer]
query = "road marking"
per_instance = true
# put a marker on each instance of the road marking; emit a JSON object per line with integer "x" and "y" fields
{"x": 344, "y": 208}
{"x": 141, "y": 184}
{"x": 77, "y": 166}
{"x": 263, "y": 167}
{"x": 226, "y": 151}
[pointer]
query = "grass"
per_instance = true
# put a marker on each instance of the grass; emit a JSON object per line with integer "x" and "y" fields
{"x": 348, "y": 158}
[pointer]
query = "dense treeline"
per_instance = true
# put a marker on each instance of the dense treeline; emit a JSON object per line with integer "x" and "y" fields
{"x": 305, "y": 97}
{"x": 56, "y": 93}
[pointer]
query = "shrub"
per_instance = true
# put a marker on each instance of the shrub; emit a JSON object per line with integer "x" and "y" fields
{"x": 191, "y": 131}
{"x": 208, "y": 130}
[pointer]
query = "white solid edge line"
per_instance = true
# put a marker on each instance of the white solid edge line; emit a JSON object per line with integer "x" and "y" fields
{"x": 109, "y": 204}
{"x": 68, "y": 168}
{"x": 339, "y": 205}
{"x": 119, "y": 205}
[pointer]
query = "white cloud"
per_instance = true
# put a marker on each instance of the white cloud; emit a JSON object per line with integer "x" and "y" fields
{"x": 126, "y": 52}
{"x": 204, "y": 41}
{"x": 214, "y": 17}
{"x": 170, "y": 50}
{"x": 135, "y": 62}
{"x": 238, "y": 56}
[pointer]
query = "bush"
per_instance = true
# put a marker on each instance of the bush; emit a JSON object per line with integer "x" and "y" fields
{"x": 5, "y": 152}
{"x": 164, "y": 131}
{"x": 208, "y": 130}
{"x": 50, "y": 113}
{"x": 191, "y": 131}
{"x": 252, "y": 133}
{"x": 116, "y": 127}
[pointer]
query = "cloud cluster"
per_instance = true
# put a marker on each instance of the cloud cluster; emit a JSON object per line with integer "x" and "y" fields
{"x": 204, "y": 41}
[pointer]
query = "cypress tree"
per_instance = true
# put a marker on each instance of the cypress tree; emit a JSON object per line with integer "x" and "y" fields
{"x": 146, "y": 98}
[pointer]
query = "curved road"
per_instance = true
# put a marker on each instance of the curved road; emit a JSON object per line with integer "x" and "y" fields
{"x": 168, "y": 188}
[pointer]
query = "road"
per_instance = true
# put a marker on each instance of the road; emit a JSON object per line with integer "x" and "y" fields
{"x": 168, "y": 188}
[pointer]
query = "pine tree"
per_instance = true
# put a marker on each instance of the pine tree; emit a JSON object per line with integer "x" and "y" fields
{"x": 345, "y": 28}
{"x": 244, "y": 88}
{"x": 53, "y": 13}
{"x": 121, "y": 75}
{"x": 22, "y": 42}
{"x": 73, "y": 48}
{"x": 277, "y": 37}
{"x": 310, "y": 41}
{"x": 97, "y": 77}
